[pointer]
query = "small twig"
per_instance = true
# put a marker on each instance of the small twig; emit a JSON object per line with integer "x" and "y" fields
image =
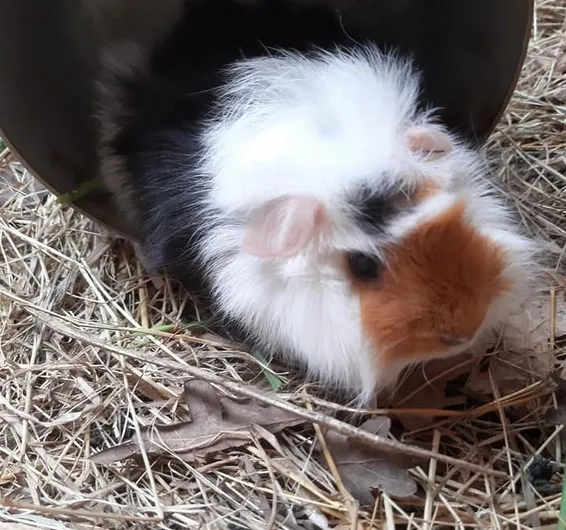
{"x": 341, "y": 427}
{"x": 389, "y": 515}
{"x": 144, "y": 312}
{"x": 507, "y": 445}
{"x": 351, "y": 503}
{"x": 273, "y": 515}
{"x": 330, "y": 461}
{"x": 143, "y": 452}
{"x": 552, "y": 326}
{"x": 427, "y": 516}
{"x": 73, "y": 513}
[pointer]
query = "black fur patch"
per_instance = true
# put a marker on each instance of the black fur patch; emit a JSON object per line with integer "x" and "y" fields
{"x": 373, "y": 211}
{"x": 168, "y": 199}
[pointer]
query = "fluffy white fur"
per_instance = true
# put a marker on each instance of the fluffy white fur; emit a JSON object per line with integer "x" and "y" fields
{"x": 297, "y": 125}
{"x": 323, "y": 126}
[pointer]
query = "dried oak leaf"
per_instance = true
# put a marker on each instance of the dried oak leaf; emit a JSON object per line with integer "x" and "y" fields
{"x": 524, "y": 354}
{"x": 363, "y": 468}
{"x": 531, "y": 330}
{"x": 426, "y": 388}
{"x": 217, "y": 424}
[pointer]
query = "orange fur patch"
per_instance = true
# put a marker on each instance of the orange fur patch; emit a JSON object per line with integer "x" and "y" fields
{"x": 437, "y": 287}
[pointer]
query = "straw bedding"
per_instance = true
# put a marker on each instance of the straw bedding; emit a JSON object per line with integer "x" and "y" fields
{"x": 80, "y": 325}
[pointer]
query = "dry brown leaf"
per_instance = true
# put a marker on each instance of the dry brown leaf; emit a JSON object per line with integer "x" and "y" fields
{"x": 217, "y": 424}
{"x": 531, "y": 330}
{"x": 363, "y": 469}
{"x": 509, "y": 372}
{"x": 525, "y": 354}
{"x": 425, "y": 387}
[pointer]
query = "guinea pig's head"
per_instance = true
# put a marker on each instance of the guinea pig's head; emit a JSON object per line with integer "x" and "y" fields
{"x": 431, "y": 266}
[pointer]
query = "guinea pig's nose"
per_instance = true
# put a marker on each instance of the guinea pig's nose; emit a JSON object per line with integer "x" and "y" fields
{"x": 453, "y": 340}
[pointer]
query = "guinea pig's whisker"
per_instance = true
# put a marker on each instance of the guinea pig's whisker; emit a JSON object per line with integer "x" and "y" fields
{"x": 203, "y": 91}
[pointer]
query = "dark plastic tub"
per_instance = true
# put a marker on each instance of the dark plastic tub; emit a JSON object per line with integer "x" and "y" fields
{"x": 471, "y": 52}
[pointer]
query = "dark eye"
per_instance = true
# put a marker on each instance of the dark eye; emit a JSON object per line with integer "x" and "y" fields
{"x": 364, "y": 266}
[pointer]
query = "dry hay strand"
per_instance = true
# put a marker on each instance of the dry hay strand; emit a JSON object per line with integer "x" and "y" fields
{"x": 530, "y": 141}
{"x": 65, "y": 399}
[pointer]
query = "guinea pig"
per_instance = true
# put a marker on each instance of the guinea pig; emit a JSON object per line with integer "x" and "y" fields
{"x": 330, "y": 216}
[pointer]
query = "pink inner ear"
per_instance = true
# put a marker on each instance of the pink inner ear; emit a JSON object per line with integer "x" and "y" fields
{"x": 428, "y": 140}
{"x": 283, "y": 226}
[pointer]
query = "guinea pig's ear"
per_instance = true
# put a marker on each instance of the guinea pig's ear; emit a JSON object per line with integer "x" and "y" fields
{"x": 429, "y": 141}
{"x": 283, "y": 226}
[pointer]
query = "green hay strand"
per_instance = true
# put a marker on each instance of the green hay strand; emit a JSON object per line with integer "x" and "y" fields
{"x": 273, "y": 379}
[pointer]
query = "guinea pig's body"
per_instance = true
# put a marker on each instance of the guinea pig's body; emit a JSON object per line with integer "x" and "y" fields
{"x": 328, "y": 215}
